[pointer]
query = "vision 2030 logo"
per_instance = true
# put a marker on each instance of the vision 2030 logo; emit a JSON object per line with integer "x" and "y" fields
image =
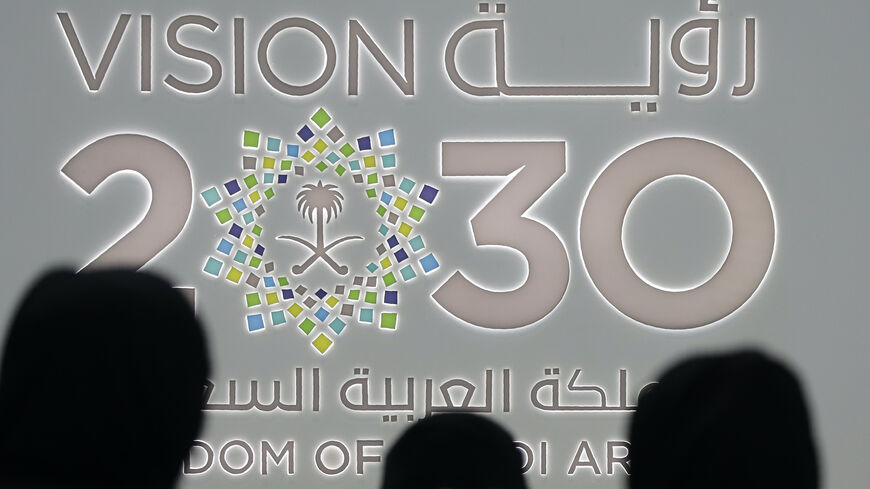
{"x": 364, "y": 168}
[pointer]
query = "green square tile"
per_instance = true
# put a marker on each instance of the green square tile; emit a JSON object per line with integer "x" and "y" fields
{"x": 372, "y": 297}
{"x": 346, "y": 150}
{"x": 255, "y": 262}
{"x": 388, "y": 320}
{"x": 353, "y": 295}
{"x": 381, "y": 210}
{"x": 307, "y": 325}
{"x": 389, "y": 279}
{"x": 321, "y": 166}
{"x": 223, "y": 215}
{"x": 251, "y": 139}
{"x": 282, "y": 281}
{"x": 269, "y": 193}
{"x": 286, "y": 164}
{"x": 416, "y": 213}
{"x": 340, "y": 170}
{"x": 371, "y": 193}
{"x": 252, "y": 299}
{"x": 321, "y": 118}
{"x": 372, "y": 178}
{"x": 251, "y": 180}
{"x": 257, "y": 230}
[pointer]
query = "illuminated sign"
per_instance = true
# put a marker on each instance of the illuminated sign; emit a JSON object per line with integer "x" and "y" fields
{"x": 384, "y": 212}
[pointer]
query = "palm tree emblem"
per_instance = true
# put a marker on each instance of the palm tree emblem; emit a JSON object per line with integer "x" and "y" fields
{"x": 317, "y": 202}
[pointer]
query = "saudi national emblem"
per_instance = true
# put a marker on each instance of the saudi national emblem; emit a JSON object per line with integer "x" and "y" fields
{"x": 277, "y": 294}
{"x": 315, "y": 201}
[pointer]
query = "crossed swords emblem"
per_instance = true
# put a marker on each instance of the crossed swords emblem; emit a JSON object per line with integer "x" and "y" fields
{"x": 317, "y": 202}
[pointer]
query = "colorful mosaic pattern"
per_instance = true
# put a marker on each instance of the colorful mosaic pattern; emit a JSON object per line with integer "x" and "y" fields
{"x": 370, "y": 295}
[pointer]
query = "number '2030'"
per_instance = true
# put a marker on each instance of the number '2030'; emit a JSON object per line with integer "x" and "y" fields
{"x": 501, "y": 222}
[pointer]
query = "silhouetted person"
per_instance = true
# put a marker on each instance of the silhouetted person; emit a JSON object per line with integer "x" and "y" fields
{"x": 101, "y": 383}
{"x": 728, "y": 421}
{"x": 455, "y": 451}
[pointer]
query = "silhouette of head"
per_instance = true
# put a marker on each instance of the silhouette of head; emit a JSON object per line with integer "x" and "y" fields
{"x": 734, "y": 420}
{"x": 101, "y": 383}
{"x": 456, "y": 451}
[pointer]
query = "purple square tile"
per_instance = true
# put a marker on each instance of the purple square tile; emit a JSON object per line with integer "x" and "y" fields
{"x": 401, "y": 255}
{"x": 364, "y": 143}
{"x": 259, "y": 250}
{"x": 232, "y": 187}
{"x": 391, "y": 297}
{"x": 428, "y": 193}
{"x": 236, "y": 230}
{"x": 393, "y": 242}
{"x": 320, "y": 293}
{"x": 282, "y": 178}
{"x": 287, "y": 293}
{"x": 305, "y": 133}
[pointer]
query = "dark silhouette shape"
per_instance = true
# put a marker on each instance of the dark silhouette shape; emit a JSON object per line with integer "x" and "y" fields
{"x": 456, "y": 451}
{"x": 101, "y": 383}
{"x": 727, "y": 421}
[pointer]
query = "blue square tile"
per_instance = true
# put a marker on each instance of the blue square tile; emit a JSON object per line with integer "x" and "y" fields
{"x": 269, "y": 281}
{"x": 240, "y": 205}
{"x": 429, "y": 263}
{"x": 225, "y": 247}
{"x": 255, "y": 322}
{"x": 387, "y": 138}
{"x": 292, "y": 150}
{"x": 321, "y": 314}
{"x": 386, "y": 198}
